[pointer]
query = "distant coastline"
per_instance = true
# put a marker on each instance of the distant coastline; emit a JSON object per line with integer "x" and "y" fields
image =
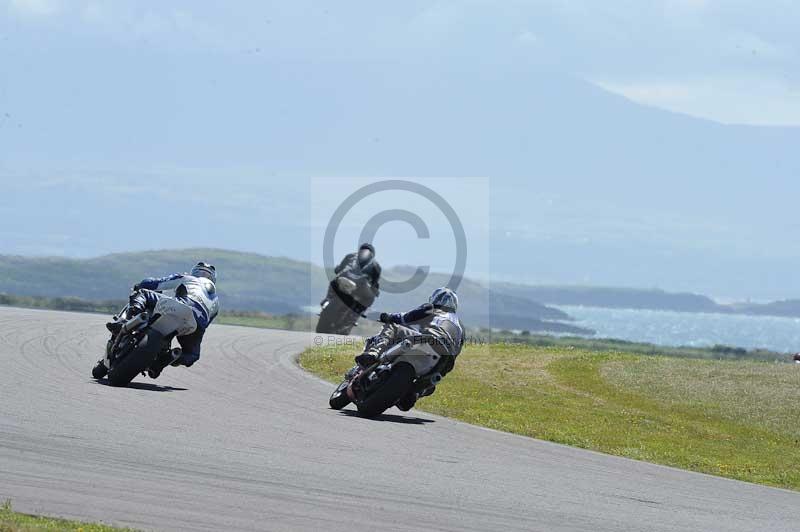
{"x": 281, "y": 286}
{"x": 641, "y": 299}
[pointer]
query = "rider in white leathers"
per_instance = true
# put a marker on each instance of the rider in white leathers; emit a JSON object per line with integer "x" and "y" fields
{"x": 436, "y": 319}
{"x": 196, "y": 290}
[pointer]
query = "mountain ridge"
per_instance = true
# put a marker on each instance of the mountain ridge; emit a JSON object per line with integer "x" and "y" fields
{"x": 255, "y": 282}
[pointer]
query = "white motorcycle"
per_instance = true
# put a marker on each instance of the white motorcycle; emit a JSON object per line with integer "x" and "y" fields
{"x": 139, "y": 341}
{"x": 403, "y": 368}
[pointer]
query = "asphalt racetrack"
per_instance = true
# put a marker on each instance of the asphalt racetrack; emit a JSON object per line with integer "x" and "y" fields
{"x": 245, "y": 441}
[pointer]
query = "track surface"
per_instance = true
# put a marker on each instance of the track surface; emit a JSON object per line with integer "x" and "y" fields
{"x": 244, "y": 440}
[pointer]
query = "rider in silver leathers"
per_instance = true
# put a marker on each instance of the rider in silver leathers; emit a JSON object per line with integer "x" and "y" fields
{"x": 436, "y": 319}
{"x": 196, "y": 290}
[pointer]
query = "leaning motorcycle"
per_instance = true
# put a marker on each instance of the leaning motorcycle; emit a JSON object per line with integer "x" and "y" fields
{"x": 403, "y": 368}
{"x": 349, "y": 296}
{"x": 142, "y": 339}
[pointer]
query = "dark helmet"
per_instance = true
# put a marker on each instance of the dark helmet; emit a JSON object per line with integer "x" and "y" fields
{"x": 203, "y": 269}
{"x": 365, "y": 254}
{"x": 445, "y": 299}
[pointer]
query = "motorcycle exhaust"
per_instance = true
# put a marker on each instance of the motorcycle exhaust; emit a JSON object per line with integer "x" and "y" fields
{"x": 436, "y": 378}
{"x": 396, "y": 350}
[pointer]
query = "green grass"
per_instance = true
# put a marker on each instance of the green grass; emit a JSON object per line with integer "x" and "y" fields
{"x": 11, "y": 521}
{"x": 717, "y": 352}
{"x": 737, "y": 419}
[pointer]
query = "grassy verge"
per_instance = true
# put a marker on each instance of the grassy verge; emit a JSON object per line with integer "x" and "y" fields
{"x": 736, "y": 419}
{"x": 11, "y": 521}
{"x": 717, "y": 352}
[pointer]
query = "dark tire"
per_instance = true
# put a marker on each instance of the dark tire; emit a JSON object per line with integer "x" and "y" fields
{"x": 335, "y": 319}
{"x": 324, "y": 324}
{"x": 99, "y": 371}
{"x": 339, "y": 398}
{"x": 395, "y": 387}
{"x": 345, "y": 330}
{"x": 123, "y": 372}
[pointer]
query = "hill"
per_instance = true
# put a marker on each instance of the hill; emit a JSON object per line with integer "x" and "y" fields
{"x": 253, "y": 282}
{"x": 249, "y": 281}
{"x": 278, "y": 285}
{"x": 789, "y": 308}
{"x": 610, "y": 297}
{"x": 632, "y": 298}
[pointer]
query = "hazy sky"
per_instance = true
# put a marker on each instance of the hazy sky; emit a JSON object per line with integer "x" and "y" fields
{"x": 205, "y": 123}
{"x": 729, "y": 60}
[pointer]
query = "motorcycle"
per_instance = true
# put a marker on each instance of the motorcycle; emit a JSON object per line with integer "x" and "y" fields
{"x": 349, "y": 296}
{"x": 141, "y": 340}
{"x": 401, "y": 369}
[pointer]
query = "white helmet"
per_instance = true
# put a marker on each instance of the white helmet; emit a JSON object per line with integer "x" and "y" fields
{"x": 203, "y": 269}
{"x": 445, "y": 299}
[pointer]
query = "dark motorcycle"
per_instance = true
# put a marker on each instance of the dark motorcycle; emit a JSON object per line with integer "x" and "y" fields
{"x": 403, "y": 368}
{"x": 349, "y": 296}
{"x": 139, "y": 341}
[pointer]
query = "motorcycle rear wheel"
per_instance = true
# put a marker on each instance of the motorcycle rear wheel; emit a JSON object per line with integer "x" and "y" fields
{"x": 124, "y": 371}
{"x": 385, "y": 397}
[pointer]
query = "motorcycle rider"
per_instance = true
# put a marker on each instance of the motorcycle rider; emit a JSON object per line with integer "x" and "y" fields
{"x": 438, "y": 318}
{"x": 362, "y": 260}
{"x": 197, "y": 290}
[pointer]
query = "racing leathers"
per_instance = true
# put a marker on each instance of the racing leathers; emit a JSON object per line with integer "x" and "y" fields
{"x": 372, "y": 269}
{"x": 350, "y": 263}
{"x": 442, "y": 326}
{"x": 198, "y": 293}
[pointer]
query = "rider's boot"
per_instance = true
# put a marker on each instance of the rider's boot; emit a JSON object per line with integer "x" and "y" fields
{"x": 375, "y": 346}
{"x": 367, "y": 358}
{"x": 166, "y": 358}
{"x": 163, "y": 360}
{"x": 135, "y": 308}
{"x": 407, "y": 402}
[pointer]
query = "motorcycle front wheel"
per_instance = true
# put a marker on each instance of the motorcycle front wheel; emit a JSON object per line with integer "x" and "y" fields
{"x": 335, "y": 318}
{"x": 339, "y": 398}
{"x": 99, "y": 371}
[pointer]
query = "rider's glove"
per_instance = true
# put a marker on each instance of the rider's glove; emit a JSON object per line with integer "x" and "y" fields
{"x": 385, "y": 318}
